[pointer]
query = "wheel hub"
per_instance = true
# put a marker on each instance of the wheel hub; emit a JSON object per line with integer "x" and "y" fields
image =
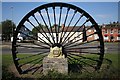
{"x": 56, "y": 52}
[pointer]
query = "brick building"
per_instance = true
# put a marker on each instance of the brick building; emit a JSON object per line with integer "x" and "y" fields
{"x": 111, "y": 33}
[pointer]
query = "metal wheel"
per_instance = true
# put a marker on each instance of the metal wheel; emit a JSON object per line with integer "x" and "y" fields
{"x": 62, "y": 25}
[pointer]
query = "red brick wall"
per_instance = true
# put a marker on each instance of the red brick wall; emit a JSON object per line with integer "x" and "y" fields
{"x": 109, "y": 34}
{"x": 90, "y": 37}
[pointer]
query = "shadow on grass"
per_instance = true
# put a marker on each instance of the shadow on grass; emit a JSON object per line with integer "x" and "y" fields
{"x": 6, "y": 75}
{"x": 75, "y": 71}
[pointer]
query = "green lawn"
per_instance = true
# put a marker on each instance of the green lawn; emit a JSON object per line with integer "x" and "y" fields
{"x": 110, "y": 73}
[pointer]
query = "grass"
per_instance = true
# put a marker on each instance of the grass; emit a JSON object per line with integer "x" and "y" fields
{"x": 7, "y": 59}
{"x": 114, "y": 58}
{"x": 112, "y": 72}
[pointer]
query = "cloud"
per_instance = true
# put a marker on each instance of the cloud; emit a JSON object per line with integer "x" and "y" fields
{"x": 103, "y": 15}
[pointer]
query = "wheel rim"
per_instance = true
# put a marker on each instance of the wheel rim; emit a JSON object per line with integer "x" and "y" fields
{"x": 62, "y": 16}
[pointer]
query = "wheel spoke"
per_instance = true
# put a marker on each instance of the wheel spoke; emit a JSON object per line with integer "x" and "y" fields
{"x": 81, "y": 61}
{"x": 69, "y": 24}
{"x": 59, "y": 22}
{"x": 34, "y": 38}
{"x": 40, "y": 26}
{"x": 46, "y": 26}
{"x": 31, "y": 56}
{"x": 66, "y": 15}
{"x": 29, "y": 62}
{"x": 40, "y": 31}
{"x": 83, "y": 43}
{"x": 62, "y": 34}
{"x": 31, "y": 69}
{"x": 84, "y": 34}
{"x": 37, "y": 69}
{"x": 55, "y": 25}
{"x": 32, "y": 47}
{"x": 83, "y": 57}
{"x": 83, "y": 48}
{"x": 49, "y": 23}
{"x": 74, "y": 61}
{"x": 38, "y": 36}
{"x": 85, "y": 52}
{"x": 69, "y": 60}
{"x": 78, "y": 36}
{"x": 77, "y": 29}
{"x": 70, "y": 44}
{"x": 35, "y": 64}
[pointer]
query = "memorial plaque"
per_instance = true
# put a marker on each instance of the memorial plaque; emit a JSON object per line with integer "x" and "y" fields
{"x": 55, "y": 64}
{"x": 56, "y": 53}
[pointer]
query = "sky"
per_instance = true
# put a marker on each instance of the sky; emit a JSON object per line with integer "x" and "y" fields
{"x": 60, "y": 0}
{"x": 102, "y": 12}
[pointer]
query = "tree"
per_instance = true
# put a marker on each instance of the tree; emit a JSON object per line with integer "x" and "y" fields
{"x": 55, "y": 25}
{"x": 37, "y": 29}
{"x": 7, "y": 29}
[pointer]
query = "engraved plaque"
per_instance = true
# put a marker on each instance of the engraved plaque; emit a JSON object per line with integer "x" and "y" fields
{"x": 56, "y": 52}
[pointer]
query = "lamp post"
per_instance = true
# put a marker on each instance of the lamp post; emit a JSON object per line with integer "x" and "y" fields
{"x": 12, "y": 22}
{"x": 12, "y": 18}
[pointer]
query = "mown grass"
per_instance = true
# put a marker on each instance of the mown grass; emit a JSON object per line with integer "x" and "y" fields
{"x": 112, "y": 72}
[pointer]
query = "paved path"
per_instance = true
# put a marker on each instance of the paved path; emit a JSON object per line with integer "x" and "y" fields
{"x": 6, "y": 48}
{"x": 112, "y": 47}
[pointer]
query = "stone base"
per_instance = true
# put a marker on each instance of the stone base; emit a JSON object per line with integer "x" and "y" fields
{"x": 56, "y": 64}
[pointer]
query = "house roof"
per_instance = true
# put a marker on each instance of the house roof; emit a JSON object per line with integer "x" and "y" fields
{"x": 78, "y": 28}
{"x": 73, "y": 29}
{"x": 67, "y": 29}
{"x": 111, "y": 26}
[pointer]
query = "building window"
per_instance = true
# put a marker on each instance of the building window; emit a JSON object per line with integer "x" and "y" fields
{"x": 118, "y": 38}
{"x": 111, "y": 38}
{"x": 105, "y": 37}
{"x": 111, "y": 31}
{"x": 105, "y": 30}
{"x": 119, "y": 31}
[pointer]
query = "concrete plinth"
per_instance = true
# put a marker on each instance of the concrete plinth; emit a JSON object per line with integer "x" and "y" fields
{"x": 57, "y": 64}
